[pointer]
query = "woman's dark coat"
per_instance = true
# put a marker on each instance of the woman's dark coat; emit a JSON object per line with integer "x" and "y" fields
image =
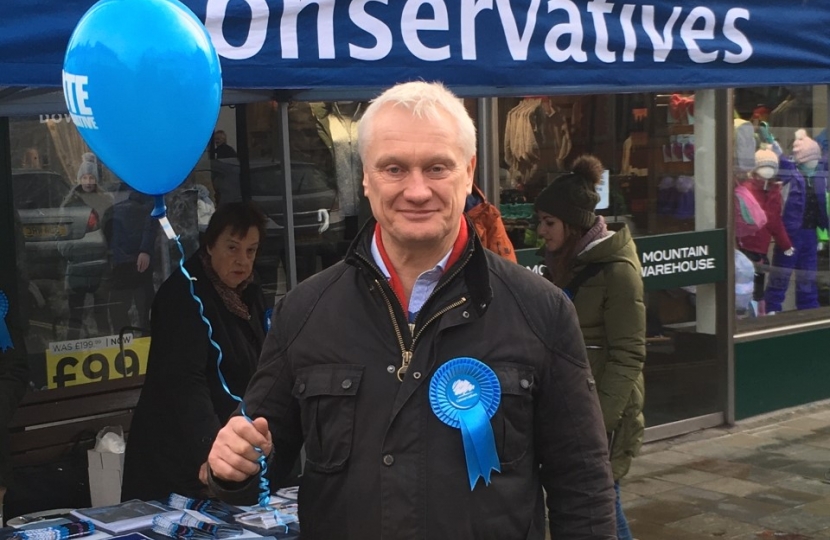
{"x": 183, "y": 403}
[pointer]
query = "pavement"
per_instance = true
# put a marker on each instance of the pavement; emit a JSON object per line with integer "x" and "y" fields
{"x": 763, "y": 478}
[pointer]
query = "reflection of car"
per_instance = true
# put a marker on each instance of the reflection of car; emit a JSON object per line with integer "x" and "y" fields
{"x": 49, "y": 229}
{"x": 317, "y": 216}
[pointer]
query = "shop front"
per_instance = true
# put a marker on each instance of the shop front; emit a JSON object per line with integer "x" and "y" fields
{"x": 675, "y": 102}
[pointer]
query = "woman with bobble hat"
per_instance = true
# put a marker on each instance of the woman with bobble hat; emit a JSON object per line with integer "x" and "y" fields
{"x": 764, "y": 186}
{"x": 804, "y": 178}
{"x": 600, "y": 271}
{"x": 83, "y": 278}
{"x": 87, "y": 191}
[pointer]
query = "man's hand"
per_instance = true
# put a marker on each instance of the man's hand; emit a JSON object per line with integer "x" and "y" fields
{"x": 233, "y": 456}
{"x": 143, "y": 262}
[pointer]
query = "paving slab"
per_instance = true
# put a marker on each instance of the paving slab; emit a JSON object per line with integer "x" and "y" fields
{"x": 766, "y": 478}
{"x": 715, "y": 525}
{"x": 732, "y": 486}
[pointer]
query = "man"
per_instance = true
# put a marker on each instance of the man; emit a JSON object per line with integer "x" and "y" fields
{"x": 221, "y": 148}
{"x": 348, "y": 367}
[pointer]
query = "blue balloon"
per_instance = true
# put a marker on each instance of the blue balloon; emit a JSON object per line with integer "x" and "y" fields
{"x": 143, "y": 85}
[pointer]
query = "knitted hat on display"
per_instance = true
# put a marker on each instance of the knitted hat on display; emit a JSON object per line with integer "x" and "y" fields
{"x": 804, "y": 148}
{"x": 89, "y": 165}
{"x": 573, "y": 196}
{"x": 765, "y": 157}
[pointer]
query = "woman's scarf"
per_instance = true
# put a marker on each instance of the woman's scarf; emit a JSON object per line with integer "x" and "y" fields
{"x": 597, "y": 231}
{"x": 232, "y": 298}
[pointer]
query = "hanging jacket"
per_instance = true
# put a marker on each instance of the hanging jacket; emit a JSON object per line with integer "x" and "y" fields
{"x": 612, "y": 316}
{"x": 768, "y": 195}
{"x": 379, "y": 463}
{"x": 487, "y": 221}
{"x": 794, "y": 190}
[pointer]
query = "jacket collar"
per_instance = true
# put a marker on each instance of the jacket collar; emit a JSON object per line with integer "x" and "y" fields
{"x": 472, "y": 267}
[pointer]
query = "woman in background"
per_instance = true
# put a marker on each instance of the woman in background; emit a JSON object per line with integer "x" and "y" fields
{"x": 184, "y": 402}
{"x": 600, "y": 271}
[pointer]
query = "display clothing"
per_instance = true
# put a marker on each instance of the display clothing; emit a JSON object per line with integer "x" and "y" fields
{"x": 612, "y": 317}
{"x": 756, "y": 246}
{"x": 803, "y": 261}
{"x": 379, "y": 463}
{"x": 183, "y": 403}
{"x": 337, "y": 126}
{"x": 805, "y": 209}
{"x": 768, "y": 195}
{"x": 487, "y": 221}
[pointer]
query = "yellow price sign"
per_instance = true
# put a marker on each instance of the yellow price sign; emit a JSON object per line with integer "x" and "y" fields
{"x": 84, "y": 361}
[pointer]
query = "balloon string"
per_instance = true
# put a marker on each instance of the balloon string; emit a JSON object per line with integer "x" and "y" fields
{"x": 264, "y": 489}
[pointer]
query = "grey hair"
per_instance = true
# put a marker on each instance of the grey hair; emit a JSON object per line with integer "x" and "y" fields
{"x": 423, "y": 100}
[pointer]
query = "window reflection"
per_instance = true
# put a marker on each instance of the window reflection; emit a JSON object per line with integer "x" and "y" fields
{"x": 781, "y": 205}
{"x": 656, "y": 183}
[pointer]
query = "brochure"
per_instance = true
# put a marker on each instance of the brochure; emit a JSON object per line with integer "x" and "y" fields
{"x": 123, "y": 517}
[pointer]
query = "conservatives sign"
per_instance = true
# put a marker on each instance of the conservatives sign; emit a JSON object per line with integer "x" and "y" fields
{"x": 498, "y": 44}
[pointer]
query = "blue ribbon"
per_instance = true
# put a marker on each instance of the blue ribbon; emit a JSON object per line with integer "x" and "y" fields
{"x": 264, "y": 489}
{"x": 464, "y": 393}
{"x": 5, "y": 337}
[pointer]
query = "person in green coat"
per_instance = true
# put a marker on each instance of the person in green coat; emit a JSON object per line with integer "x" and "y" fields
{"x": 600, "y": 271}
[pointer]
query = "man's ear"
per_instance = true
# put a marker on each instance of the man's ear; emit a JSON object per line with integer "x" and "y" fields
{"x": 471, "y": 169}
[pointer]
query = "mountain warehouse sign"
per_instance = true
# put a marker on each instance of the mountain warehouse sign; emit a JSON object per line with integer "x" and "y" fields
{"x": 668, "y": 260}
{"x": 685, "y": 259}
{"x": 677, "y": 260}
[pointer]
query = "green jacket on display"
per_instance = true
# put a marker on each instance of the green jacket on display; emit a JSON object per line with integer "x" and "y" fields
{"x": 612, "y": 316}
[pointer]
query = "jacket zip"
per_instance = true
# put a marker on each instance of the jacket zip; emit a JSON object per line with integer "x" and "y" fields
{"x": 406, "y": 354}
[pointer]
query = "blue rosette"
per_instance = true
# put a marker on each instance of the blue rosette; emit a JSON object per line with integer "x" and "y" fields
{"x": 5, "y": 337}
{"x": 464, "y": 394}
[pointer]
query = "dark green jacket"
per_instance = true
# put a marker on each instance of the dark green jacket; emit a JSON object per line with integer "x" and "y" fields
{"x": 612, "y": 317}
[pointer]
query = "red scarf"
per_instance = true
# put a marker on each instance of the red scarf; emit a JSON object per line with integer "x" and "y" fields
{"x": 395, "y": 280}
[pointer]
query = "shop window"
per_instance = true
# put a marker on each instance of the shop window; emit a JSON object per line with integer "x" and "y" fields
{"x": 782, "y": 265}
{"x": 90, "y": 256}
{"x": 660, "y": 184}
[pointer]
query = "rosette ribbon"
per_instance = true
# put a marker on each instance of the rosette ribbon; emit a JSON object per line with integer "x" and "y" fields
{"x": 5, "y": 337}
{"x": 464, "y": 394}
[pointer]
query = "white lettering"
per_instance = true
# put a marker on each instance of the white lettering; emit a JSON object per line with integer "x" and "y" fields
{"x": 573, "y": 28}
{"x": 215, "y": 11}
{"x": 629, "y": 33}
{"x": 68, "y": 94}
{"x": 598, "y": 9}
{"x": 469, "y": 11}
{"x": 373, "y": 26}
{"x": 325, "y": 27}
{"x": 84, "y": 121}
{"x": 411, "y": 25}
{"x": 736, "y": 36}
{"x": 74, "y": 87}
{"x": 662, "y": 44}
{"x": 517, "y": 43}
{"x": 691, "y": 36}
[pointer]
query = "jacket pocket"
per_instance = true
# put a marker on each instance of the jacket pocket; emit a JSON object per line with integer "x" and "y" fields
{"x": 513, "y": 421}
{"x": 327, "y": 395}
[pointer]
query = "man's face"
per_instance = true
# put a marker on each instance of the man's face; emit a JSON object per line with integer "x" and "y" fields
{"x": 416, "y": 177}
